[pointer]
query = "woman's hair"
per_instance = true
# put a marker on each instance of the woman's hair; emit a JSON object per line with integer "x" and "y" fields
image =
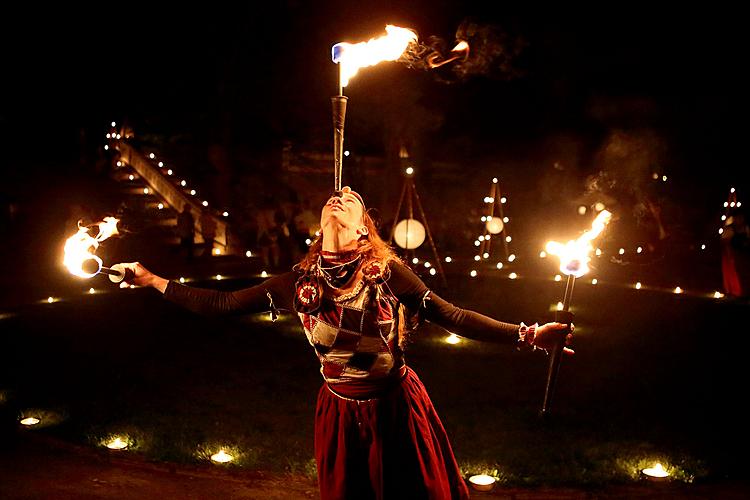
{"x": 369, "y": 247}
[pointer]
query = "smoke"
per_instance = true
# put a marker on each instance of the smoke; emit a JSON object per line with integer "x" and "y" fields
{"x": 627, "y": 161}
{"x": 492, "y": 52}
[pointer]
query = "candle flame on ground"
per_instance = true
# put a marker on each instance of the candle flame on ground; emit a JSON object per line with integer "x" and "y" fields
{"x": 352, "y": 57}
{"x": 222, "y": 457}
{"x": 574, "y": 255}
{"x": 117, "y": 444}
{"x": 656, "y": 471}
{"x": 80, "y": 247}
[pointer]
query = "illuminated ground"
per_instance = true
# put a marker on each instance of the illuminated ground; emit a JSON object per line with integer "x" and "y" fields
{"x": 657, "y": 377}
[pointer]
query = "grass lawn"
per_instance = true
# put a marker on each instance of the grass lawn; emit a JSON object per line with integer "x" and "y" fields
{"x": 656, "y": 377}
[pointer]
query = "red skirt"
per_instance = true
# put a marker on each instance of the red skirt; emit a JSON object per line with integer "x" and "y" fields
{"x": 386, "y": 448}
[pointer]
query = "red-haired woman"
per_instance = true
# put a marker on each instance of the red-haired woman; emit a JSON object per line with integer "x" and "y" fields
{"x": 377, "y": 434}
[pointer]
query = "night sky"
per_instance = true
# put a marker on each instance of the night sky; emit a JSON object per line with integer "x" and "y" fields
{"x": 250, "y": 77}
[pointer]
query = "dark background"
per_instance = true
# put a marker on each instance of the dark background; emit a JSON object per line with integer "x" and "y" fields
{"x": 563, "y": 103}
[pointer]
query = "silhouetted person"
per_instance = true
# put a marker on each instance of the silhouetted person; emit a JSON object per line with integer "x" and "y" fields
{"x": 186, "y": 231}
{"x": 208, "y": 230}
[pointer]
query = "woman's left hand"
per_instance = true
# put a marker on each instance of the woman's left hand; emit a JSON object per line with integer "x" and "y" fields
{"x": 548, "y": 334}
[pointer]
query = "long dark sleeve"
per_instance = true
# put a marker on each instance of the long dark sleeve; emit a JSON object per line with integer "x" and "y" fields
{"x": 414, "y": 294}
{"x": 245, "y": 301}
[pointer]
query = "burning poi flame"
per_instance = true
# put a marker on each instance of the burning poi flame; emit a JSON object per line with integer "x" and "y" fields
{"x": 574, "y": 255}
{"x": 353, "y": 56}
{"x": 80, "y": 247}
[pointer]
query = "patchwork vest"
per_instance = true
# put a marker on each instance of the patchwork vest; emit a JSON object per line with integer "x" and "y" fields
{"x": 355, "y": 335}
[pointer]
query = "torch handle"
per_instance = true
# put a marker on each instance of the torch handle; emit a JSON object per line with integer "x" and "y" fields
{"x": 338, "y": 104}
{"x": 555, "y": 359}
{"x": 565, "y": 317}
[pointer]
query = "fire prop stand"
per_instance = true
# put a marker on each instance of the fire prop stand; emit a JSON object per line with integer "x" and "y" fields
{"x": 574, "y": 262}
{"x": 409, "y": 193}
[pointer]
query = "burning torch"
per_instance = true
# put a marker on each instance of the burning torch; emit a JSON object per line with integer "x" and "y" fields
{"x": 81, "y": 260}
{"x": 574, "y": 262}
{"x": 351, "y": 57}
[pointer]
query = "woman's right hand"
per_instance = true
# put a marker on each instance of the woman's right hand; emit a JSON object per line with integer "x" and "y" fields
{"x": 143, "y": 277}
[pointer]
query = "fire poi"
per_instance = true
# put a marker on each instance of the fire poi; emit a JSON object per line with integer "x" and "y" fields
{"x": 574, "y": 262}
{"x": 80, "y": 257}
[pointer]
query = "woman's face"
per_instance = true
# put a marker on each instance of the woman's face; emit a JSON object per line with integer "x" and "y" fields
{"x": 342, "y": 210}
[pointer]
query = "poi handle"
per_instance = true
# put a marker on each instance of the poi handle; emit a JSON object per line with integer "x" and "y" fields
{"x": 125, "y": 274}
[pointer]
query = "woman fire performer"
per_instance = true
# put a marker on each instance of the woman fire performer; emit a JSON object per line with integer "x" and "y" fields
{"x": 377, "y": 434}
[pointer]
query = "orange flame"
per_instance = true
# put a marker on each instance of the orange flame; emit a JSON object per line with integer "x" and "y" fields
{"x": 352, "y": 57}
{"x": 461, "y": 50}
{"x": 574, "y": 255}
{"x": 80, "y": 247}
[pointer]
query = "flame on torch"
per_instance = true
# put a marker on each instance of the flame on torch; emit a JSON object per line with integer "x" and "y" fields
{"x": 80, "y": 247}
{"x": 352, "y": 57}
{"x": 574, "y": 255}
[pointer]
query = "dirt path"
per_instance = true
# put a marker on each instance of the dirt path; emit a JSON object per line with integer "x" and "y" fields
{"x": 36, "y": 467}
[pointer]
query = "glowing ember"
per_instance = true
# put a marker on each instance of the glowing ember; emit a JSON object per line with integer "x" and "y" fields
{"x": 560, "y": 306}
{"x": 558, "y": 277}
{"x": 678, "y": 290}
{"x": 512, "y": 276}
{"x": 29, "y": 421}
{"x": 352, "y": 57}
{"x": 409, "y": 170}
{"x": 117, "y": 444}
{"x": 453, "y": 339}
{"x": 448, "y": 259}
{"x": 718, "y": 295}
{"x": 574, "y": 255}
{"x": 433, "y": 272}
{"x": 499, "y": 265}
{"x": 50, "y": 299}
{"x": 80, "y": 248}
{"x": 473, "y": 273}
{"x": 264, "y": 274}
{"x": 656, "y": 471}
{"x": 248, "y": 254}
{"x": 182, "y": 280}
{"x": 92, "y": 291}
{"x": 542, "y": 254}
{"x": 222, "y": 457}
{"x": 594, "y": 281}
{"x": 511, "y": 257}
{"x": 638, "y": 286}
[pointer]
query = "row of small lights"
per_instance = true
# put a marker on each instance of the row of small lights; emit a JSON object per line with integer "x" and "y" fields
{"x": 122, "y": 442}
{"x": 181, "y": 279}
{"x": 484, "y": 482}
{"x": 474, "y": 273}
{"x": 480, "y": 482}
{"x": 160, "y": 164}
